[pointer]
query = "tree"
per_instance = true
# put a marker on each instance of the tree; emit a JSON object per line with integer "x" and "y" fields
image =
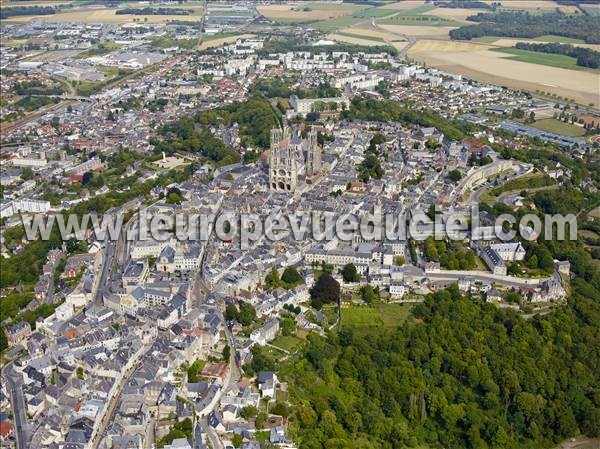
{"x": 288, "y": 326}
{"x": 291, "y": 277}
{"x": 399, "y": 260}
{"x": 248, "y": 412}
{"x": 260, "y": 420}
{"x": 226, "y": 353}
{"x": 533, "y": 262}
{"x": 174, "y": 196}
{"x": 368, "y": 294}
{"x": 27, "y": 174}
{"x": 325, "y": 291}
{"x": 87, "y": 177}
{"x": 237, "y": 440}
{"x": 281, "y": 409}
{"x": 247, "y": 314}
{"x": 79, "y": 373}
{"x": 454, "y": 176}
{"x": 231, "y": 312}
{"x": 272, "y": 279}
{"x": 349, "y": 273}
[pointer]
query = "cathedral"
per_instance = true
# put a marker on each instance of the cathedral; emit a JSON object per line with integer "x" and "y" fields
{"x": 292, "y": 158}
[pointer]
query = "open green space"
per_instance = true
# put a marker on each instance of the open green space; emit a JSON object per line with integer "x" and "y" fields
{"x": 334, "y": 24}
{"x": 418, "y": 10}
{"x": 291, "y": 20}
{"x": 375, "y": 12}
{"x": 212, "y": 37}
{"x": 288, "y": 342}
{"x": 417, "y": 20}
{"x": 548, "y": 59}
{"x": 556, "y": 126}
{"x": 378, "y": 315}
{"x": 362, "y": 36}
{"x": 545, "y": 38}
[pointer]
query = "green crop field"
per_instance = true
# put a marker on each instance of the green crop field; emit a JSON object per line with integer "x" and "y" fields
{"x": 545, "y": 38}
{"x": 362, "y": 36}
{"x": 418, "y": 10}
{"x": 534, "y": 57}
{"x": 334, "y": 24}
{"x": 416, "y": 20}
{"x": 375, "y": 12}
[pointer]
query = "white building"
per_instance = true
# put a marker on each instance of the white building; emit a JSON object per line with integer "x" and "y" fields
{"x": 513, "y": 251}
{"x": 265, "y": 333}
{"x": 305, "y": 105}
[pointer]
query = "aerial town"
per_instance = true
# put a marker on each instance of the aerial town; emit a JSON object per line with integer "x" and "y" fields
{"x": 181, "y": 343}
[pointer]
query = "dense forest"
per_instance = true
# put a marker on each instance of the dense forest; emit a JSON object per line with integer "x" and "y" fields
{"x": 5, "y": 13}
{"x": 471, "y": 4}
{"x": 255, "y": 117}
{"x": 388, "y": 110}
{"x": 459, "y": 374}
{"x": 281, "y": 87}
{"x": 523, "y": 24}
{"x": 586, "y": 57}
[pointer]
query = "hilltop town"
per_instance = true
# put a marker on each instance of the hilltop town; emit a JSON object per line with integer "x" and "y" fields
{"x": 180, "y": 343}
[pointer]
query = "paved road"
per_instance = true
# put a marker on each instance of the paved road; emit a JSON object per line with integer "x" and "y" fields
{"x": 483, "y": 276}
{"x": 15, "y": 388}
{"x": 109, "y": 411}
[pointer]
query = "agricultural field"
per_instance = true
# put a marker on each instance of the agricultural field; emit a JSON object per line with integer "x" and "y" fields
{"x": 405, "y": 5}
{"x": 459, "y": 14}
{"x": 353, "y": 39}
{"x": 549, "y": 59}
{"x": 593, "y": 10}
{"x": 335, "y": 24}
{"x": 306, "y": 11}
{"x": 419, "y": 20}
{"x": 367, "y": 37}
{"x": 415, "y": 11}
{"x": 419, "y": 32}
{"x": 481, "y": 62}
{"x": 526, "y": 4}
{"x": 375, "y": 12}
{"x": 509, "y": 42}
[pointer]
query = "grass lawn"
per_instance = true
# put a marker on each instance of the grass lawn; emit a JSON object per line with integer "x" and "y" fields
{"x": 288, "y": 342}
{"x": 379, "y": 315}
{"x": 529, "y": 181}
{"x": 362, "y": 36}
{"x": 418, "y": 10}
{"x": 534, "y": 57}
{"x": 212, "y": 37}
{"x": 375, "y": 12}
{"x": 416, "y": 20}
{"x": 292, "y": 20}
{"x": 556, "y": 126}
{"x": 334, "y": 24}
